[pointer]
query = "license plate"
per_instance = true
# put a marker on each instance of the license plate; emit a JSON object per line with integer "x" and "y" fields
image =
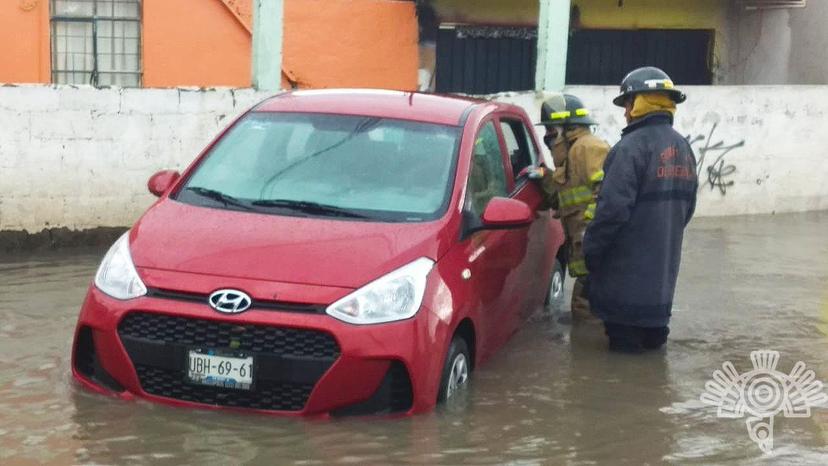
{"x": 220, "y": 370}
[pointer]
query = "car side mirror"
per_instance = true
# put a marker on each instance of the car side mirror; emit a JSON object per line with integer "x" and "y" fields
{"x": 160, "y": 182}
{"x": 504, "y": 213}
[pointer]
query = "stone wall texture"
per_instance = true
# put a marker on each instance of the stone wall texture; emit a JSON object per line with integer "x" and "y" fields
{"x": 79, "y": 157}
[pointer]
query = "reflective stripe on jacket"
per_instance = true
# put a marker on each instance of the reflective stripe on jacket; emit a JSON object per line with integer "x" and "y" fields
{"x": 573, "y": 187}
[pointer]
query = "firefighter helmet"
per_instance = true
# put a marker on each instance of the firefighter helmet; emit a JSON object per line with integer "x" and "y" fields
{"x": 565, "y": 109}
{"x": 648, "y": 79}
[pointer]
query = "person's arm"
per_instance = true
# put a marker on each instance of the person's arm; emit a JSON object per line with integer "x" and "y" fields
{"x": 549, "y": 191}
{"x": 692, "y": 209}
{"x": 591, "y": 165}
{"x": 616, "y": 200}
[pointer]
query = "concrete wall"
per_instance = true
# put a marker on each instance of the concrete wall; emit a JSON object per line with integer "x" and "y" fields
{"x": 809, "y": 37}
{"x": 80, "y": 157}
{"x": 782, "y": 46}
{"x": 759, "y": 147}
{"x": 759, "y": 47}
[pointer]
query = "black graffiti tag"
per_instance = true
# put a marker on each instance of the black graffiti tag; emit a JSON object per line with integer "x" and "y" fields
{"x": 719, "y": 169}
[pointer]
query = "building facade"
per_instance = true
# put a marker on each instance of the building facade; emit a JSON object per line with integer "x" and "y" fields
{"x": 476, "y": 47}
{"x": 78, "y": 157}
{"x": 205, "y": 43}
{"x": 701, "y": 42}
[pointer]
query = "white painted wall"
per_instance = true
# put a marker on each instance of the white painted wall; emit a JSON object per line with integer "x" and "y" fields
{"x": 778, "y": 133}
{"x": 81, "y": 157}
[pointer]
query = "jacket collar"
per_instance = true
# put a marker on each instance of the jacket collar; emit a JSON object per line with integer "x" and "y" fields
{"x": 575, "y": 133}
{"x": 657, "y": 118}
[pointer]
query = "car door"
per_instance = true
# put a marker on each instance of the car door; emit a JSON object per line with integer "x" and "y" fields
{"x": 522, "y": 154}
{"x": 494, "y": 256}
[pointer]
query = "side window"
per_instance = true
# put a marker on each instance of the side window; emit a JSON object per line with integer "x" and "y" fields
{"x": 521, "y": 150}
{"x": 487, "y": 178}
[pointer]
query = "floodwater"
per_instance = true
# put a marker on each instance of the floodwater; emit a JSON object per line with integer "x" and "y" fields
{"x": 553, "y": 395}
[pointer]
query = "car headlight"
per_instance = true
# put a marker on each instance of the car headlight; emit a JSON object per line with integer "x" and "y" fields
{"x": 117, "y": 276}
{"x": 395, "y": 296}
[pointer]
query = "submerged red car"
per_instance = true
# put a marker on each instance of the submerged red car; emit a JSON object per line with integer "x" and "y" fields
{"x": 331, "y": 252}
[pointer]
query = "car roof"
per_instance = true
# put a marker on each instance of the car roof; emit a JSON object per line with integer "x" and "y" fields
{"x": 415, "y": 106}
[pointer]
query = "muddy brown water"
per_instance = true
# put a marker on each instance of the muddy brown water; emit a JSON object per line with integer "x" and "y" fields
{"x": 553, "y": 395}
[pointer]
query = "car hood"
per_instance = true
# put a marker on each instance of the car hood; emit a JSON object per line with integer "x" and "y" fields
{"x": 318, "y": 251}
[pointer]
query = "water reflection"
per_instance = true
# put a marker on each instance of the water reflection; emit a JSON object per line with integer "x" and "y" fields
{"x": 553, "y": 396}
{"x": 617, "y": 401}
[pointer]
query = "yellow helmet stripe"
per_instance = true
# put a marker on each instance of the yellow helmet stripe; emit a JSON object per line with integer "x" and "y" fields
{"x": 659, "y": 84}
{"x": 559, "y": 115}
{"x": 581, "y": 112}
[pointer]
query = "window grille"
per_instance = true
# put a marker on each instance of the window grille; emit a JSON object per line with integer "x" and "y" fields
{"x": 485, "y": 59}
{"x": 96, "y": 42}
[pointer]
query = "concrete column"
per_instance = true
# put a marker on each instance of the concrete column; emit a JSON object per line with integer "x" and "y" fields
{"x": 267, "y": 44}
{"x": 553, "y": 40}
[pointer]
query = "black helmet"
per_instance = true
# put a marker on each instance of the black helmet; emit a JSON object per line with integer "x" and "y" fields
{"x": 564, "y": 109}
{"x": 648, "y": 79}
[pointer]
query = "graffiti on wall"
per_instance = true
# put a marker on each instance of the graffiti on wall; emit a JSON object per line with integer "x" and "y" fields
{"x": 711, "y": 160}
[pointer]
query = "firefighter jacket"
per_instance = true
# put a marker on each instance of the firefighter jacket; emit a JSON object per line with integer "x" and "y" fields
{"x": 633, "y": 244}
{"x": 572, "y": 189}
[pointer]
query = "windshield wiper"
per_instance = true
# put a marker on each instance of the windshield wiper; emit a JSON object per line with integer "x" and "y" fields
{"x": 227, "y": 199}
{"x": 309, "y": 207}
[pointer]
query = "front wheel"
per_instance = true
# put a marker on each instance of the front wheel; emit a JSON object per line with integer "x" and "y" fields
{"x": 555, "y": 294}
{"x": 455, "y": 370}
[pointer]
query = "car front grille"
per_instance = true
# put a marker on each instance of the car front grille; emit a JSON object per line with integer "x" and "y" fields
{"x": 243, "y": 337}
{"x": 289, "y": 362}
{"x": 267, "y": 395}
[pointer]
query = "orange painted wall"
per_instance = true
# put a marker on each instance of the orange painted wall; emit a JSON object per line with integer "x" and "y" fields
{"x": 194, "y": 43}
{"x": 326, "y": 43}
{"x": 350, "y": 43}
{"x": 24, "y": 41}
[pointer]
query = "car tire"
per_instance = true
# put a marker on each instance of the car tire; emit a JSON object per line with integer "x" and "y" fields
{"x": 456, "y": 370}
{"x": 555, "y": 292}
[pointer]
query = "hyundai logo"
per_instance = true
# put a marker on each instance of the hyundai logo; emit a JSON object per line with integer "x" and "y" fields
{"x": 230, "y": 301}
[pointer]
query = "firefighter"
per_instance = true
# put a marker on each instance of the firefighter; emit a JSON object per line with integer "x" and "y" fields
{"x": 571, "y": 189}
{"x": 633, "y": 244}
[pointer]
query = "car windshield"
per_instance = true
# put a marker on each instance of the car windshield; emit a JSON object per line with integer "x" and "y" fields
{"x": 328, "y": 165}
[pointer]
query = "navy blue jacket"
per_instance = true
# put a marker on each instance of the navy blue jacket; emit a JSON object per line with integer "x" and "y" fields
{"x": 633, "y": 245}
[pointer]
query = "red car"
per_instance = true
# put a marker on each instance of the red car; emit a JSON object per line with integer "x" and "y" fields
{"x": 331, "y": 252}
